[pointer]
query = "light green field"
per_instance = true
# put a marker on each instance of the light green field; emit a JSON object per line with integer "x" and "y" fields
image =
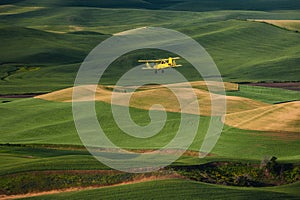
{"x": 52, "y": 123}
{"x": 264, "y": 94}
{"x": 11, "y": 9}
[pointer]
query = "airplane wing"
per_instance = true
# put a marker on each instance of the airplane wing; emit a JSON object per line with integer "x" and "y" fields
{"x": 167, "y": 59}
{"x": 177, "y": 66}
{"x": 149, "y": 61}
{"x": 159, "y": 60}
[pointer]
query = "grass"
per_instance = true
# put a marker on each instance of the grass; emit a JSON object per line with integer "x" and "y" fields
{"x": 179, "y": 189}
{"x": 43, "y": 47}
{"x": 40, "y": 158}
{"x": 63, "y": 165}
{"x": 52, "y": 123}
{"x": 43, "y": 40}
{"x": 264, "y": 94}
{"x": 12, "y": 9}
{"x": 145, "y": 98}
{"x": 36, "y": 47}
{"x": 190, "y": 5}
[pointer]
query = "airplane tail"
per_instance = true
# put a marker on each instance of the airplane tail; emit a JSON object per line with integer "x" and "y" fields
{"x": 171, "y": 61}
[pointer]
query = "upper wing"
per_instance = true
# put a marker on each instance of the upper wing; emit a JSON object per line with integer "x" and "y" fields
{"x": 159, "y": 60}
{"x": 149, "y": 61}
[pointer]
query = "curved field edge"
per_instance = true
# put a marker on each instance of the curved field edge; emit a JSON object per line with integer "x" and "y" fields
{"x": 52, "y": 123}
{"x": 220, "y": 173}
{"x": 247, "y": 62}
{"x": 43, "y": 157}
{"x": 41, "y": 181}
{"x": 278, "y": 118}
{"x": 293, "y": 25}
{"x": 189, "y": 5}
{"x": 179, "y": 189}
{"x": 147, "y": 96}
{"x": 242, "y": 113}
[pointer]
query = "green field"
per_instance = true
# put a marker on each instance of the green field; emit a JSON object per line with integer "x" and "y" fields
{"x": 268, "y": 95}
{"x": 170, "y": 5}
{"x": 180, "y": 189}
{"x": 52, "y": 123}
{"x": 42, "y": 46}
{"x": 56, "y": 40}
{"x": 48, "y": 139}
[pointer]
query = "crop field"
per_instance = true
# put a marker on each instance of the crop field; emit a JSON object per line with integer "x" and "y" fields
{"x": 220, "y": 32}
{"x": 147, "y": 96}
{"x": 179, "y": 189}
{"x": 286, "y": 113}
{"x": 256, "y": 47}
{"x": 293, "y": 25}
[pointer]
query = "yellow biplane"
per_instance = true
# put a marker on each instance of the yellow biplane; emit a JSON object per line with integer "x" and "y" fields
{"x": 161, "y": 64}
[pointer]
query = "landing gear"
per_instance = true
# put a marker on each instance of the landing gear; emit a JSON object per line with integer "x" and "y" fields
{"x": 162, "y": 71}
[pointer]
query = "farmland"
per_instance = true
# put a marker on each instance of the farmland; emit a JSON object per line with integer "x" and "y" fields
{"x": 293, "y": 25}
{"x": 255, "y": 45}
{"x": 178, "y": 189}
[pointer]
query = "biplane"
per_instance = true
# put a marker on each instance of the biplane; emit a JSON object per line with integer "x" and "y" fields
{"x": 160, "y": 64}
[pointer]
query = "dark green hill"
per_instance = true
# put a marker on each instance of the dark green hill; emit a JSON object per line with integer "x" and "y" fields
{"x": 32, "y": 46}
{"x": 190, "y": 5}
{"x": 179, "y": 189}
{"x": 57, "y": 39}
{"x": 204, "y": 5}
{"x": 80, "y": 3}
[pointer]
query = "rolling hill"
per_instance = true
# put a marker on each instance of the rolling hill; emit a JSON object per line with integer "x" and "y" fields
{"x": 43, "y": 45}
{"x": 148, "y": 96}
{"x": 46, "y": 122}
{"x": 57, "y": 39}
{"x": 178, "y": 189}
{"x": 190, "y": 5}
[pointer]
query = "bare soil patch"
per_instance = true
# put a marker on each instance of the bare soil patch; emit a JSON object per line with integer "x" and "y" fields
{"x": 282, "y": 118}
{"x": 293, "y": 25}
{"x": 147, "y": 96}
